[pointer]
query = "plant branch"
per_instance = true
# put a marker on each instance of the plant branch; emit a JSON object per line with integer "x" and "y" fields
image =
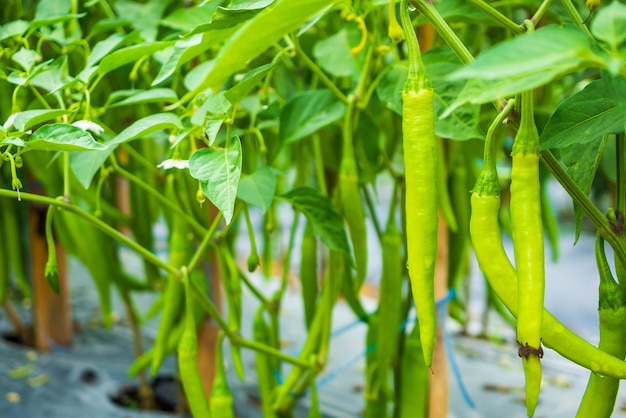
{"x": 573, "y": 12}
{"x": 497, "y": 16}
{"x": 108, "y": 230}
{"x": 597, "y": 217}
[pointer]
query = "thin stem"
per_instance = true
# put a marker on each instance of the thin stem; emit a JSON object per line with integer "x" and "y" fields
{"x": 66, "y": 175}
{"x": 448, "y": 35}
{"x": 318, "y": 72}
{"x": 108, "y": 230}
{"x": 620, "y": 151}
{"x": 370, "y": 205}
{"x": 598, "y": 219}
{"x": 497, "y": 16}
{"x": 206, "y": 242}
{"x": 253, "y": 345}
{"x": 255, "y": 291}
{"x": 573, "y": 12}
{"x": 540, "y": 11}
{"x": 162, "y": 199}
{"x": 490, "y": 143}
{"x": 138, "y": 157}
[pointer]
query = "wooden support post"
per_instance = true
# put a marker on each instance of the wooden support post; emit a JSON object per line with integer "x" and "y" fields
{"x": 52, "y": 313}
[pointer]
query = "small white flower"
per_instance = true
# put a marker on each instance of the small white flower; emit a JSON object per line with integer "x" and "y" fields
{"x": 174, "y": 163}
{"x": 9, "y": 122}
{"x": 87, "y": 125}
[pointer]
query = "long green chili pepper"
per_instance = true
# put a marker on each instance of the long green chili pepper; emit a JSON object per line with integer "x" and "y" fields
{"x": 420, "y": 165}
{"x": 351, "y": 202}
{"x": 52, "y": 272}
{"x": 180, "y": 250}
{"x": 375, "y": 398}
{"x": 4, "y": 274}
{"x": 528, "y": 247}
{"x": 188, "y": 358}
{"x": 601, "y": 392}
{"x": 221, "y": 397}
{"x": 494, "y": 263}
{"x": 389, "y": 305}
{"x": 308, "y": 273}
{"x": 414, "y": 378}
{"x": 265, "y": 378}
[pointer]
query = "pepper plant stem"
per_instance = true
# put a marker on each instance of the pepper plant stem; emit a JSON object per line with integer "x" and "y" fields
{"x": 598, "y": 219}
{"x": 495, "y": 13}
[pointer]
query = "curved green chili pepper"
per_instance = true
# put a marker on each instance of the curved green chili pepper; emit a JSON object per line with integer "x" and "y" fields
{"x": 308, "y": 273}
{"x": 420, "y": 165}
{"x": 265, "y": 378}
{"x": 601, "y": 392}
{"x": 375, "y": 398}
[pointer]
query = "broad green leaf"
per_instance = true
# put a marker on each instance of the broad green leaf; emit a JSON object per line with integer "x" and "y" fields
{"x": 62, "y": 137}
{"x": 185, "y": 19}
{"x": 215, "y": 105}
{"x": 583, "y": 117}
{"x": 219, "y": 170}
{"x": 52, "y": 76}
{"x": 581, "y": 162}
{"x": 390, "y": 86}
{"x": 236, "y": 93}
{"x": 319, "y": 210}
{"x": 258, "y": 34}
{"x": 173, "y": 60}
{"x": 157, "y": 95}
{"x": 527, "y": 61}
{"x": 129, "y": 55}
{"x": 146, "y": 126}
{"x": 307, "y": 112}
{"x": 333, "y": 55}
{"x": 104, "y": 47}
{"x": 13, "y": 28}
{"x": 25, "y": 58}
{"x": 85, "y": 165}
{"x": 29, "y": 118}
{"x": 53, "y": 19}
{"x": 45, "y": 9}
{"x": 144, "y": 17}
{"x": 12, "y": 140}
{"x": 258, "y": 188}
{"x": 609, "y": 25}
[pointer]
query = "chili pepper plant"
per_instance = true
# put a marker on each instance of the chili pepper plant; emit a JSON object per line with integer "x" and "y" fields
{"x": 405, "y": 132}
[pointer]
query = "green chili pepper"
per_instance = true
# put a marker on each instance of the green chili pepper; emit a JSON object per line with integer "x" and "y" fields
{"x": 527, "y": 231}
{"x": 188, "y": 358}
{"x": 308, "y": 273}
{"x": 415, "y": 377}
{"x": 390, "y": 299}
{"x": 601, "y": 392}
{"x": 375, "y": 398}
{"x": 221, "y": 397}
{"x": 265, "y": 377}
{"x": 495, "y": 264}
{"x": 4, "y": 273}
{"x": 421, "y": 172}
{"x": 180, "y": 250}
{"x": 351, "y": 202}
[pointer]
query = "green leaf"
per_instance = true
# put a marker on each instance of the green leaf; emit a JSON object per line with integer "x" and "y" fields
{"x": 144, "y": 16}
{"x": 333, "y": 55}
{"x": 319, "y": 210}
{"x": 258, "y": 188}
{"x": 146, "y": 126}
{"x": 526, "y": 62}
{"x": 266, "y": 28}
{"x": 157, "y": 95}
{"x": 103, "y": 48}
{"x": 212, "y": 127}
{"x": 581, "y": 162}
{"x": 62, "y": 137}
{"x": 216, "y": 105}
{"x": 25, "y": 58}
{"x": 248, "y": 82}
{"x": 29, "y": 118}
{"x": 129, "y": 55}
{"x": 53, "y": 19}
{"x": 609, "y": 25}
{"x": 52, "y": 8}
{"x": 13, "y": 28}
{"x": 390, "y": 86}
{"x": 307, "y": 112}
{"x": 187, "y": 18}
{"x": 582, "y": 118}
{"x": 219, "y": 170}
{"x": 85, "y": 165}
